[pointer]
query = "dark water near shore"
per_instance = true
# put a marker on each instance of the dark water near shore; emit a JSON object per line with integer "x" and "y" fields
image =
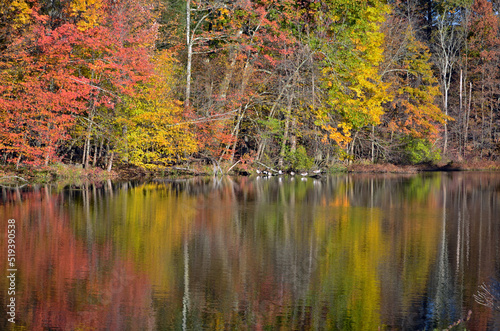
{"x": 347, "y": 252}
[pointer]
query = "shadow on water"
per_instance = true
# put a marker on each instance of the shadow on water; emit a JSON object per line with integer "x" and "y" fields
{"x": 350, "y": 252}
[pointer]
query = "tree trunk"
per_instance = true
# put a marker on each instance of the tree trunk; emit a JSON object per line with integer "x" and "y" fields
{"x": 290, "y": 82}
{"x": 124, "y": 137}
{"x": 449, "y": 41}
{"x": 18, "y": 162}
{"x": 100, "y": 149}
{"x": 293, "y": 136}
{"x": 224, "y": 86}
{"x": 481, "y": 141}
{"x": 261, "y": 148}
{"x": 313, "y": 86}
{"x": 373, "y": 143}
{"x": 350, "y": 148}
{"x": 94, "y": 161}
{"x": 429, "y": 19}
{"x": 47, "y": 157}
{"x": 491, "y": 135}
{"x": 106, "y": 157}
{"x": 87, "y": 151}
{"x": 288, "y": 116}
{"x": 247, "y": 72}
{"x": 466, "y": 135}
{"x": 460, "y": 109}
{"x": 209, "y": 88}
{"x": 236, "y": 133}
{"x": 189, "y": 44}
{"x": 110, "y": 163}
{"x": 445, "y": 145}
{"x": 86, "y": 148}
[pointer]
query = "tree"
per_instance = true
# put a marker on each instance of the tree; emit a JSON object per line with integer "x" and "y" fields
{"x": 484, "y": 55}
{"x": 448, "y": 40}
{"x": 39, "y": 93}
{"x": 157, "y": 134}
{"x": 239, "y": 48}
{"x": 75, "y": 62}
{"x": 413, "y": 117}
{"x": 351, "y": 44}
{"x": 195, "y": 35}
{"x": 14, "y": 15}
{"x": 117, "y": 57}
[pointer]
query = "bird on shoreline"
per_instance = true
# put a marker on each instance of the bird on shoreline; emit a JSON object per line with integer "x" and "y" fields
{"x": 269, "y": 173}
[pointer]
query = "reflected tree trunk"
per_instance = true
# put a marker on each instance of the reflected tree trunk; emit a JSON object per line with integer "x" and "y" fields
{"x": 185, "y": 299}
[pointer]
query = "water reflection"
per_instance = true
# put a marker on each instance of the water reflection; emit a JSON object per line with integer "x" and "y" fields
{"x": 345, "y": 252}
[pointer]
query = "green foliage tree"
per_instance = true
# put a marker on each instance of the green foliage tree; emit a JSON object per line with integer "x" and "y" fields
{"x": 351, "y": 45}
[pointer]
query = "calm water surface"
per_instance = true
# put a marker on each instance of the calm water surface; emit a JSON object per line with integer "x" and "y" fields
{"x": 348, "y": 252}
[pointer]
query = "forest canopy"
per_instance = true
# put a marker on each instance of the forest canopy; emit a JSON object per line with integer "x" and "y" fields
{"x": 289, "y": 84}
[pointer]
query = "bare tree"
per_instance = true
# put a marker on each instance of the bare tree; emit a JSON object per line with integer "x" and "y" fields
{"x": 449, "y": 38}
{"x": 193, "y": 38}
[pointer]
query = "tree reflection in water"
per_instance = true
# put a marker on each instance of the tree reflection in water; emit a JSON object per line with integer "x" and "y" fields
{"x": 344, "y": 252}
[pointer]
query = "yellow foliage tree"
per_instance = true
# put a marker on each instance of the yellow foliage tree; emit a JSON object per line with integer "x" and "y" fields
{"x": 17, "y": 10}
{"x": 352, "y": 55}
{"x": 157, "y": 134}
{"x": 89, "y": 13}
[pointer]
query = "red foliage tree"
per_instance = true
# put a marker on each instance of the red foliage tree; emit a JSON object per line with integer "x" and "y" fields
{"x": 252, "y": 40}
{"x": 39, "y": 95}
{"x": 61, "y": 69}
{"x": 484, "y": 58}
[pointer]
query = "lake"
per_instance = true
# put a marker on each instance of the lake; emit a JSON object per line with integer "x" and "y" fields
{"x": 344, "y": 252}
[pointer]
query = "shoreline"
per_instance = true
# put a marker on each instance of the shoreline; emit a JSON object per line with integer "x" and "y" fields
{"x": 439, "y": 167}
{"x": 75, "y": 174}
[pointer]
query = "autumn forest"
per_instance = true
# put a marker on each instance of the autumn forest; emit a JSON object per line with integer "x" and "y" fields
{"x": 288, "y": 84}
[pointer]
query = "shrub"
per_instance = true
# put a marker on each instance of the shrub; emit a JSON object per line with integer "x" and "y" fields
{"x": 299, "y": 159}
{"x": 420, "y": 151}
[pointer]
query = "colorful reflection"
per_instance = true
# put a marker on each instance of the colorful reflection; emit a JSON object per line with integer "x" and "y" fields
{"x": 343, "y": 252}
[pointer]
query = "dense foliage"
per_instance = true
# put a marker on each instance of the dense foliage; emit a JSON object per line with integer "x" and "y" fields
{"x": 157, "y": 83}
